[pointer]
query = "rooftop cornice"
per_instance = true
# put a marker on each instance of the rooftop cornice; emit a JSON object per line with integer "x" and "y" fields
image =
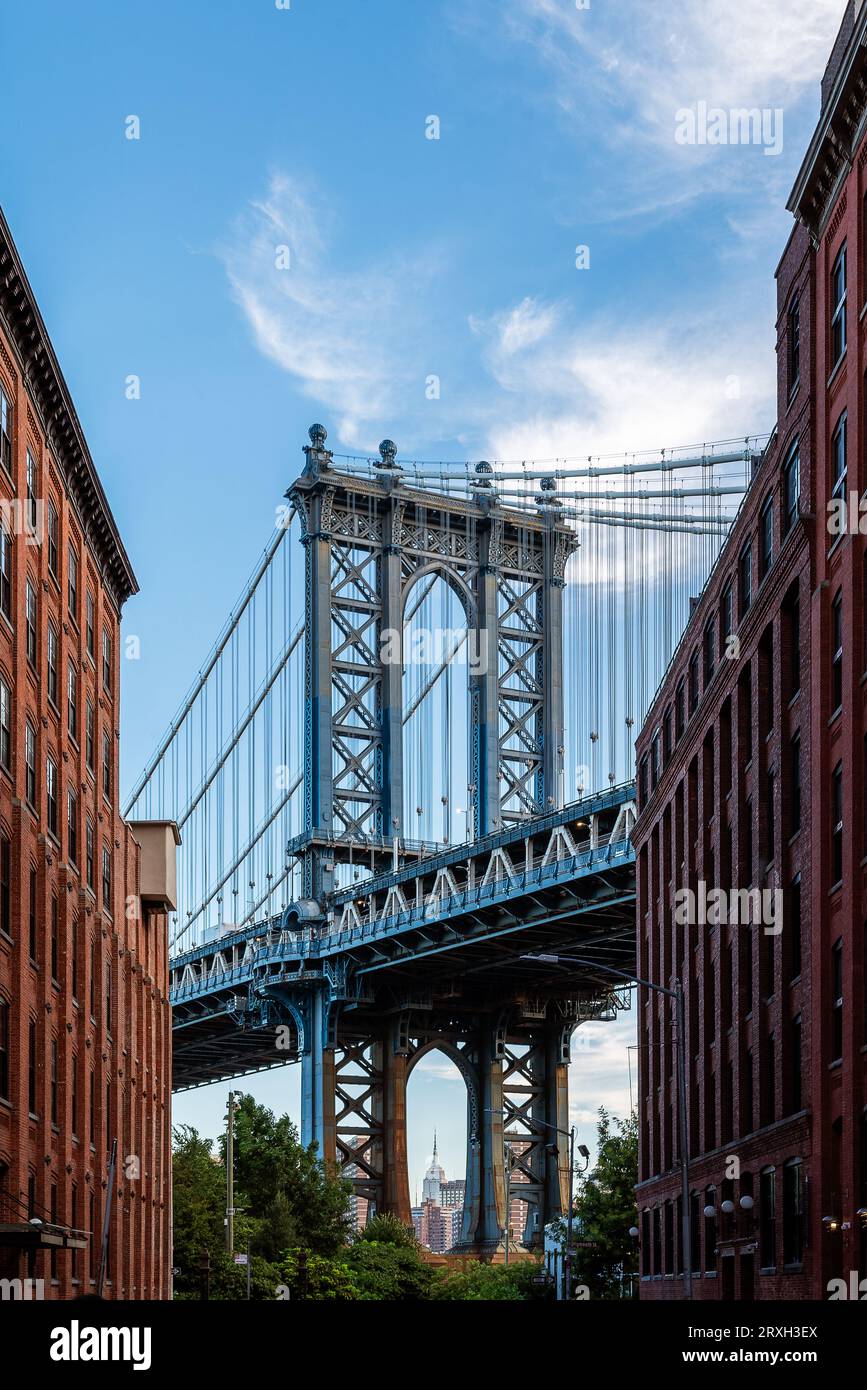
{"x": 51, "y": 396}
{"x": 831, "y": 150}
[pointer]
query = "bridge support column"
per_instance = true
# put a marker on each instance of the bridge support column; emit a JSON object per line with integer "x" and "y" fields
{"x": 553, "y": 1108}
{"x": 317, "y": 1081}
{"x": 395, "y": 1158}
{"x": 485, "y": 1205}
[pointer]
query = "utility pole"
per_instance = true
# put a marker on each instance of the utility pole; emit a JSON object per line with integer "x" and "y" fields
{"x": 230, "y": 1175}
{"x": 569, "y": 1215}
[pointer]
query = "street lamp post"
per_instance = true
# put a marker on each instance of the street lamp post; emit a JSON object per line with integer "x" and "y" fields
{"x": 680, "y": 1016}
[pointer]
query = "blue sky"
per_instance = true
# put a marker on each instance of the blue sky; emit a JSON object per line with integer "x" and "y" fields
{"x": 306, "y": 127}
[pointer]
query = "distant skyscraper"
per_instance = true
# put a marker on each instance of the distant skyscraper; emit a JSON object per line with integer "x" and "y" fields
{"x": 434, "y": 1178}
{"x": 438, "y": 1221}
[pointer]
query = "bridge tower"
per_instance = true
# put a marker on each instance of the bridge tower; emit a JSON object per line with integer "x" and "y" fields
{"x": 369, "y": 540}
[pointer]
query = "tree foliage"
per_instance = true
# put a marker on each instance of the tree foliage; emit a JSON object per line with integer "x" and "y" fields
{"x": 606, "y": 1209}
{"x": 476, "y": 1282}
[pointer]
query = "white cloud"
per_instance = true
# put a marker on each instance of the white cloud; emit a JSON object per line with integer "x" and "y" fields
{"x": 603, "y": 386}
{"x": 350, "y": 337}
{"x": 618, "y": 73}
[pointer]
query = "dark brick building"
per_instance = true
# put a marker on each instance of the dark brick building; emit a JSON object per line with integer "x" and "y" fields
{"x": 751, "y": 777}
{"x": 85, "y": 1032}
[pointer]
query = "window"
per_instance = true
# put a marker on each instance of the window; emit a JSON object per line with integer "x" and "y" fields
{"x": 679, "y": 710}
{"x": 693, "y": 683}
{"x": 51, "y": 793}
{"x": 106, "y": 766}
{"x": 793, "y": 618}
{"x": 642, "y": 780}
{"x": 794, "y": 1210}
{"x": 791, "y": 488}
{"x": 770, "y": 821}
{"x": 5, "y": 573}
{"x": 793, "y": 341}
{"x": 838, "y": 459}
{"x": 745, "y": 576}
{"x": 31, "y": 1066}
{"x": 34, "y": 944}
{"x": 55, "y": 939}
{"x": 837, "y": 652}
{"x": 30, "y": 485}
{"x": 54, "y": 1081}
{"x": 795, "y": 785}
{"x": 837, "y": 1001}
{"x": 93, "y": 980}
{"x": 72, "y": 585}
{"x": 795, "y": 1064}
{"x": 72, "y": 700}
{"x": 106, "y": 659}
{"x": 72, "y": 827}
{"x": 838, "y": 307}
{"x": 748, "y": 840}
{"x": 727, "y": 614}
{"x": 30, "y": 620}
{"x": 710, "y": 1231}
{"x": 5, "y": 431}
{"x": 654, "y": 760}
{"x": 51, "y": 663}
{"x": 666, "y": 736}
{"x": 88, "y": 734}
{"x": 5, "y": 725}
{"x": 794, "y": 928}
{"x": 30, "y": 763}
{"x": 768, "y": 1218}
{"x": 766, "y": 537}
{"x": 709, "y": 652}
{"x": 837, "y": 824}
{"x": 4, "y": 1048}
{"x": 53, "y": 525}
{"x": 89, "y": 625}
{"x": 106, "y": 878}
{"x": 88, "y": 854}
{"x": 108, "y": 996}
{"x": 73, "y": 952}
{"x": 5, "y": 885}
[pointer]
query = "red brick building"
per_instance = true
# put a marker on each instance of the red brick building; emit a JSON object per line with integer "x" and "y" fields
{"x": 85, "y": 1029}
{"x": 751, "y": 776}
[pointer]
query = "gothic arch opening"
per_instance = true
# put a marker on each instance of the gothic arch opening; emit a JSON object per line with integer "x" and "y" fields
{"x": 439, "y": 658}
{"x": 437, "y": 1115}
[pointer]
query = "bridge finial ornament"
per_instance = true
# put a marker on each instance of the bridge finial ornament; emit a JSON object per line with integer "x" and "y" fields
{"x": 318, "y": 435}
{"x": 388, "y": 454}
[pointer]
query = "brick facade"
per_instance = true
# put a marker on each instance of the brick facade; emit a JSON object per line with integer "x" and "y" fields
{"x": 763, "y": 787}
{"x": 85, "y": 1026}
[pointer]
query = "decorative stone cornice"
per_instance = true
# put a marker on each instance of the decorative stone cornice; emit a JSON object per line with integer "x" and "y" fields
{"x": 51, "y": 397}
{"x": 836, "y": 138}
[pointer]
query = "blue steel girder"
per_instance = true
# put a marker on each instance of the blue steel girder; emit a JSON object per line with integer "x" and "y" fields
{"x": 474, "y": 917}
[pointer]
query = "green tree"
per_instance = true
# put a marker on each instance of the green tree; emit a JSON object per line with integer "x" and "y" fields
{"x": 278, "y": 1179}
{"x": 605, "y": 1210}
{"x": 477, "y": 1282}
{"x": 389, "y": 1230}
{"x": 315, "y": 1278}
{"x": 384, "y": 1271}
{"x": 199, "y": 1202}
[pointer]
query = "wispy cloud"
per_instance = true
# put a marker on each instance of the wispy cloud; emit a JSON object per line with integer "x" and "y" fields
{"x": 618, "y": 73}
{"x": 603, "y": 386}
{"x": 350, "y": 336}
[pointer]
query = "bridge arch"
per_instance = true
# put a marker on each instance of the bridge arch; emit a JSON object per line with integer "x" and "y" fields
{"x": 439, "y": 655}
{"x": 465, "y": 1069}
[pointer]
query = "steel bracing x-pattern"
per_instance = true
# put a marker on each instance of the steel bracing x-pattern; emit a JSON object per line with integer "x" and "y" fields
{"x": 369, "y": 542}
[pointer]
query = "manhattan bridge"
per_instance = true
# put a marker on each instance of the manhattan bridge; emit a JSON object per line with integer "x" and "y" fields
{"x": 403, "y": 783}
